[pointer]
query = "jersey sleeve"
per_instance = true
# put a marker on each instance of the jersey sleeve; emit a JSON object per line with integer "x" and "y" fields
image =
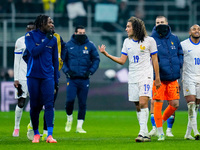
{"x": 18, "y": 52}
{"x": 33, "y": 49}
{"x": 124, "y": 49}
{"x": 153, "y": 47}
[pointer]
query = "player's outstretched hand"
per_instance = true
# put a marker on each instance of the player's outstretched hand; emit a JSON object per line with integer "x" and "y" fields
{"x": 102, "y": 49}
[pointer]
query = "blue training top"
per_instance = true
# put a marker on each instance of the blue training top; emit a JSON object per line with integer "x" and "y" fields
{"x": 43, "y": 61}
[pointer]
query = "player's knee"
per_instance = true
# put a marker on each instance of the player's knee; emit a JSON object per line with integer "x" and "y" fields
{"x": 48, "y": 106}
{"x": 21, "y": 103}
{"x": 175, "y": 104}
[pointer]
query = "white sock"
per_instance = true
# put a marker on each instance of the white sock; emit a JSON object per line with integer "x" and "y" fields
{"x": 45, "y": 132}
{"x": 79, "y": 123}
{"x": 169, "y": 129}
{"x": 160, "y": 131}
{"x": 197, "y": 109}
{"x": 31, "y": 125}
{"x": 189, "y": 128}
{"x": 147, "y": 118}
{"x": 18, "y": 115}
{"x": 192, "y": 117}
{"x": 138, "y": 116}
{"x": 143, "y": 121}
{"x": 70, "y": 118}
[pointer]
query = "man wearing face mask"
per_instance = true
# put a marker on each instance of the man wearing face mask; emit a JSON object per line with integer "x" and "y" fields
{"x": 80, "y": 60}
{"x": 170, "y": 59}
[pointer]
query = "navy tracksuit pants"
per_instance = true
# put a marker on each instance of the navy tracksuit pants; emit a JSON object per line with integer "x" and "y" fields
{"x": 79, "y": 88}
{"x": 41, "y": 92}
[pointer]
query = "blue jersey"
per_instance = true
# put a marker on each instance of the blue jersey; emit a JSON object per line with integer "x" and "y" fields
{"x": 43, "y": 61}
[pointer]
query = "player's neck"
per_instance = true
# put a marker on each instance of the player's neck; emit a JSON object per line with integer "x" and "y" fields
{"x": 194, "y": 40}
{"x": 135, "y": 39}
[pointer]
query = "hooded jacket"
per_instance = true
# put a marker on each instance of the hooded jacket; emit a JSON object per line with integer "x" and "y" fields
{"x": 170, "y": 55}
{"x": 80, "y": 58}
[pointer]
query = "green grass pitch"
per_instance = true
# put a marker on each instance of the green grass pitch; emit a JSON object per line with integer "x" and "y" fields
{"x": 106, "y": 130}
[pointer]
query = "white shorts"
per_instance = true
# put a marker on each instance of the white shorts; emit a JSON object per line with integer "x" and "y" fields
{"x": 75, "y": 9}
{"x": 24, "y": 89}
{"x": 191, "y": 88}
{"x": 144, "y": 88}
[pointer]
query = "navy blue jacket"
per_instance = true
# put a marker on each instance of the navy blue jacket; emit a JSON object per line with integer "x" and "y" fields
{"x": 43, "y": 55}
{"x": 80, "y": 58}
{"x": 170, "y": 55}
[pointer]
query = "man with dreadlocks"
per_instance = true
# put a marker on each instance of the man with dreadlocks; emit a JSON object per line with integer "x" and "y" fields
{"x": 42, "y": 73}
{"x": 61, "y": 47}
{"x": 140, "y": 49}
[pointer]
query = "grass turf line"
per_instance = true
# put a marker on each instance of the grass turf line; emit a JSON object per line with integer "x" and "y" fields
{"x": 106, "y": 130}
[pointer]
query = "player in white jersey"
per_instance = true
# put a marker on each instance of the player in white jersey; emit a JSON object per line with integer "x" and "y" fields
{"x": 20, "y": 69}
{"x": 141, "y": 50}
{"x": 191, "y": 79}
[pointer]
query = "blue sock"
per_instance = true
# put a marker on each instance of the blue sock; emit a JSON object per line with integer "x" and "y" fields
{"x": 50, "y": 130}
{"x": 170, "y": 121}
{"x": 152, "y": 120}
{"x": 36, "y": 132}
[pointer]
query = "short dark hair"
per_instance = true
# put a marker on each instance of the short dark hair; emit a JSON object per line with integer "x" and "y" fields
{"x": 40, "y": 21}
{"x": 79, "y": 27}
{"x": 162, "y": 17}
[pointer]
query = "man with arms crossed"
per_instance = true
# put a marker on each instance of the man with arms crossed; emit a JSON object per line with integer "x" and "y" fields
{"x": 140, "y": 49}
{"x": 191, "y": 79}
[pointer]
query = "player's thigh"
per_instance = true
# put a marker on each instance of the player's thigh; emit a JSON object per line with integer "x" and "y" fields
{"x": 24, "y": 89}
{"x": 141, "y": 89}
{"x": 172, "y": 92}
{"x": 47, "y": 90}
{"x": 133, "y": 92}
{"x": 71, "y": 89}
{"x": 34, "y": 91}
{"x": 145, "y": 92}
{"x": 198, "y": 90}
{"x": 145, "y": 88}
{"x": 82, "y": 92}
{"x": 189, "y": 88}
{"x": 158, "y": 94}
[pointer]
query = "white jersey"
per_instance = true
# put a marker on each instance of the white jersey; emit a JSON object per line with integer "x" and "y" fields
{"x": 140, "y": 64}
{"x": 191, "y": 64}
{"x": 20, "y": 66}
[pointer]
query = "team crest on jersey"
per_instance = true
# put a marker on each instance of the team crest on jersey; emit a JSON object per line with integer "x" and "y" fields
{"x": 85, "y": 51}
{"x": 27, "y": 34}
{"x": 142, "y": 48}
{"x": 187, "y": 90}
{"x": 172, "y": 46}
